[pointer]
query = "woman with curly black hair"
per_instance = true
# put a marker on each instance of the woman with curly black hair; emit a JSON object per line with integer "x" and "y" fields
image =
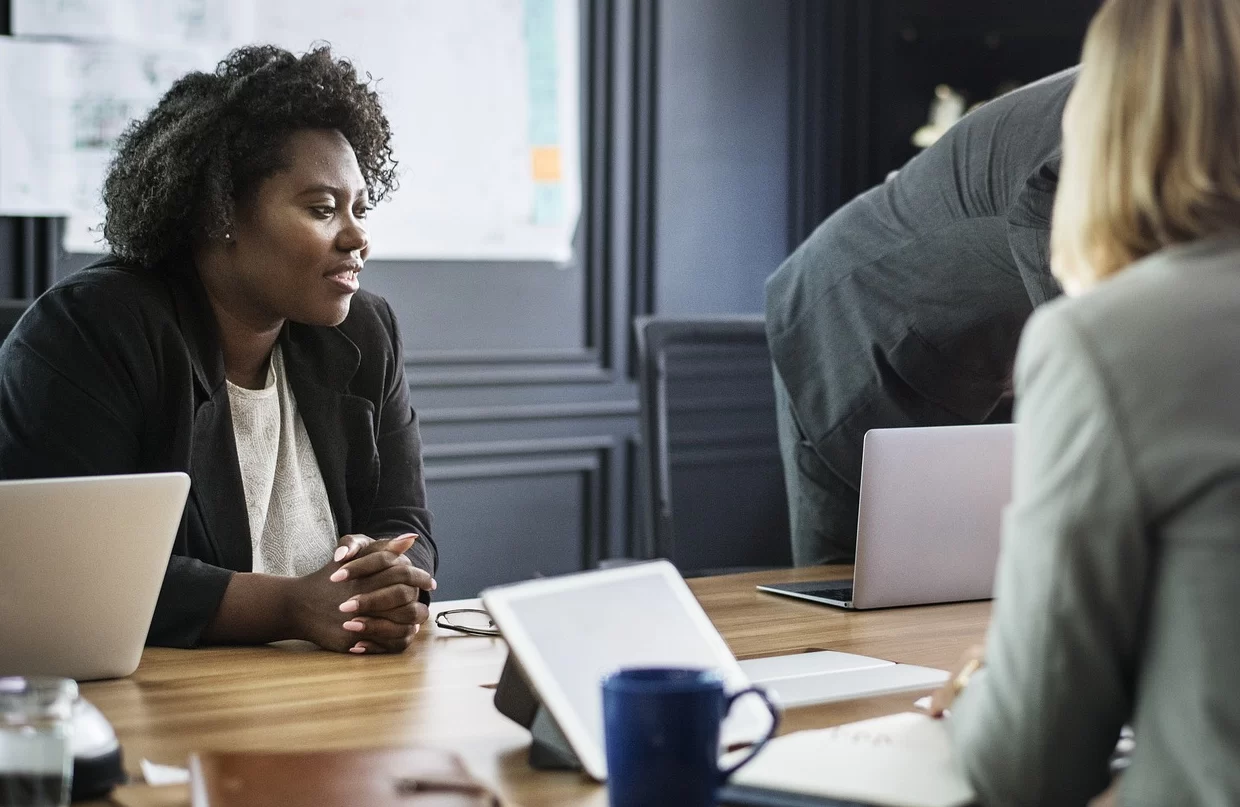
{"x": 226, "y": 337}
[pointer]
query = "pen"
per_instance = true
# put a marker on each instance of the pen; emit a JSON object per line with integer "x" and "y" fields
{"x": 966, "y": 672}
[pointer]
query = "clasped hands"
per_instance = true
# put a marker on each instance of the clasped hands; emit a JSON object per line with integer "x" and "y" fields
{"x": 366, "y": 599}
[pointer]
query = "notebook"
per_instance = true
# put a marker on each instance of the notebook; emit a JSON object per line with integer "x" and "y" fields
{"x": 901, "y": 760}
{"x": 400, "y": 777}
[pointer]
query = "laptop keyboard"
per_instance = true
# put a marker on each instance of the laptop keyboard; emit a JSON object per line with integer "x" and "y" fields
{"x": 832, "y": 593}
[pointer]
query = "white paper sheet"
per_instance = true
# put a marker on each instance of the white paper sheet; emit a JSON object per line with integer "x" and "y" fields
{"x": 470, "y": 88}
{"x": 158, "y": 775}
{"x": 112, "y": 85}
{"x": 147, "y": 22}
{"x": 903, "y": 760}
{"x": 482, "y": 97}
{"x": 36, "y": 165}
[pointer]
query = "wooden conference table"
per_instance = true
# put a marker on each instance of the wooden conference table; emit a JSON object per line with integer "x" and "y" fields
{"x": 439, "y": 692}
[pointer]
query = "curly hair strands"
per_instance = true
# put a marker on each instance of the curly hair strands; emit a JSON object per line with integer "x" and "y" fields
{"x": 180, "y": 172}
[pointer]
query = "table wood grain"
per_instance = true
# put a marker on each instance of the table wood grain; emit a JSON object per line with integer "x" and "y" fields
{"x": 292, "y": 696}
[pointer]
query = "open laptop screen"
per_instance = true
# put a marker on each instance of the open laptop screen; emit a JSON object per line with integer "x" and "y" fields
{"x": 929, "y": 518}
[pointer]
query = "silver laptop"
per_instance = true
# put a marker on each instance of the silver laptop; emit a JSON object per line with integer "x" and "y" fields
{"x": 83, "y": 562}
{"x": 928, "y": 520}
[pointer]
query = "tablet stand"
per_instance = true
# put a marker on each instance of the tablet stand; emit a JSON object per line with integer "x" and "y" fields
{"x": 516, "y": 700}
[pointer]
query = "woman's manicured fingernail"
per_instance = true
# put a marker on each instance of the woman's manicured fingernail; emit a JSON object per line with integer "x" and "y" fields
{"x": 348, "y": 606}
{"x": 357, "y": 648}
{"x": 434, "y": 585}
{"x": 354, "y": 625}
{"x": 340, "y": 553}
{"x": 338, "y": 575}
{"x": 417, "y": 628}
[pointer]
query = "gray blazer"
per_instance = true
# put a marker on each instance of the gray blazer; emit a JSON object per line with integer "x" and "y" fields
{"x": 1118, "y": 593}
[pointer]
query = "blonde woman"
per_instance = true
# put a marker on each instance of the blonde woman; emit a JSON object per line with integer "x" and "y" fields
{"x": 1118, "y": 596}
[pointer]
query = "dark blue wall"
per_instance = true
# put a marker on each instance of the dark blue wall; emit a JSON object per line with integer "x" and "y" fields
{"x": 722, "y": 162}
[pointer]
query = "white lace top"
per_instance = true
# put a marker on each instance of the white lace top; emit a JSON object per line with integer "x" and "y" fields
{"x": 292, "y": 530}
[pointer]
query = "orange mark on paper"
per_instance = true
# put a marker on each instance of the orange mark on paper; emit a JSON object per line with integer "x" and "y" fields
{"x": 546, "y": 163}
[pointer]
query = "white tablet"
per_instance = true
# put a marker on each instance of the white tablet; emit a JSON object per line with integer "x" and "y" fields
{"x": 569, "y": 632}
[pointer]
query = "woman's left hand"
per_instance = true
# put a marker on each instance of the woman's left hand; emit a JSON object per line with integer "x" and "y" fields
{"x": 945, "y": 695}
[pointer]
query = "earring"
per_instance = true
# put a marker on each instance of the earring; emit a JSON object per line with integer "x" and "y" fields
{"x": 227, "y": 236}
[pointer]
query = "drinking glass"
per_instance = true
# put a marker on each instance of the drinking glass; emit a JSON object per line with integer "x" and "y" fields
{"x": 36, "y": 760}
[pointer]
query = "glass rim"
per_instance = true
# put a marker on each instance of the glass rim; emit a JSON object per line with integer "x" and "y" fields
{"x": 36, "y": 697}
{"x": 17, "y": 685}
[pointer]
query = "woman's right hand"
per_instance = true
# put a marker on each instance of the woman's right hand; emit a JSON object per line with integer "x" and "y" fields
{"x": 367, "y": 605}
{"x": 943, "y": 697}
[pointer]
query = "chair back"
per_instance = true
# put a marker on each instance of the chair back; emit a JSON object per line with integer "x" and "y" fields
{"x": 714, "y": 488}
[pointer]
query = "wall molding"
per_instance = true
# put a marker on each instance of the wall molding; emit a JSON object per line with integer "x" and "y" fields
{"x": 590, "y": 457}
{"x": 459, "y": 471}
{"x": 30, "y": 251}
{"x": 499, "y": 377}
{"x": 541, "y": 411}
{"x": 808, "y": 152}
{"x": 637, "y": 540}
{"x": 643, "y": 188}
{"x": 599, "y": 37}
{"x": 546, "y": 445}
{"x": 421, "y": 358}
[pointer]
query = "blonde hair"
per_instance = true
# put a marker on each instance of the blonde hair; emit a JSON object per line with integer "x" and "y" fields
{"x": 1151, "y": 136}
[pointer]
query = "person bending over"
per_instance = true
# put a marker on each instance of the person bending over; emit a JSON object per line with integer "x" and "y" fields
{"x": 904, "y": 307}
{"x": 226, "y": 336}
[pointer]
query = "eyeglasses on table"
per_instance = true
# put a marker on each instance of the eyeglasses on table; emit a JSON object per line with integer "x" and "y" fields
{"x": 470, "y": 621}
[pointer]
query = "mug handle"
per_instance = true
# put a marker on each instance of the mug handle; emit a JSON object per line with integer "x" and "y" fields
{"x": 758, "y": 746}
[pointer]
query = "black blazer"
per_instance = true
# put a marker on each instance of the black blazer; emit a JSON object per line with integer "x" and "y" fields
{"x": 118, "y": 369}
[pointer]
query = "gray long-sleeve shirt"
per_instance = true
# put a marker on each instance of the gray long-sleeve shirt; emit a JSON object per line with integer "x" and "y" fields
{"x": 927, "y": 277}
{"x": 1117, "y": 597}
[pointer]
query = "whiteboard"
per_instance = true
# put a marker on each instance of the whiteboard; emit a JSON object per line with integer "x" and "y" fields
{"x": 112, "y": 83}
{"x": 36, "y": 160}
{"x": 483, "y": 97}
{"x": 151, "y": 22}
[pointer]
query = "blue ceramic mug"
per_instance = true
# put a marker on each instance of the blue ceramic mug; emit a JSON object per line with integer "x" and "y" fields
{"x": 662, "y": 732}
